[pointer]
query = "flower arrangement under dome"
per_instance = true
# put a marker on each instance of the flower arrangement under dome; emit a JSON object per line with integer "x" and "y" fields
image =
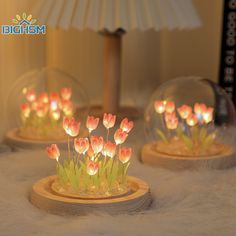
{"x": 41, "y": 114}
{"x": 95, "y": 166}
{"x": 188, "y": 130}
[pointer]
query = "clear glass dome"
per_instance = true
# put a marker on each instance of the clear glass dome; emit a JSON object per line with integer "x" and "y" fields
{"x": 40, "y": 99}
{"x": 190, "y": 116}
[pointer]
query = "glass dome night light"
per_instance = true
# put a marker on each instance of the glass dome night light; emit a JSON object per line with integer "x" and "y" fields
{"x": 92, "y": 175}
{"x": 190, "y": 117}
{"x": 40, "y": 99}
{"x": 97, "y": 168}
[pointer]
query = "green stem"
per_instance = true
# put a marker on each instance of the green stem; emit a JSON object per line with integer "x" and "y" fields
{"x": 68, "y": 143}
{"x": 107, "y": 134}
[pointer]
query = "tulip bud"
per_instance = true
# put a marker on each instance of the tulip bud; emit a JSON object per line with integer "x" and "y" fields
{"x": 81, "y": 145}
{"x": 109, "y": 120}
{"x": 53, "y": 152}
{"x": 120, "y": 136}
{"x": 92, "y": 123}
{"x": 126, "y": 125}
{"x": 125, "y": 155}
{"x": 92, "y": 168}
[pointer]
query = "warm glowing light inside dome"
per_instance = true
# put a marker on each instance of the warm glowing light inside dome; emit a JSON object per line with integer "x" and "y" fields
{"x": 42, "y": 113}
{"x": 95, "y": 166}
{"x": 186, "y": 127}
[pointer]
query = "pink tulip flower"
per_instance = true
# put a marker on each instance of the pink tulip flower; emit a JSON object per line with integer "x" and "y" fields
{"x": 109, "y": 120}
{"x": 92, "y": 123}
{"x": 120, "y": 136}
{"x": 81, "y": 145}
{"x": 30, "y": 95}
{"x": 71, "y": 126}
{"x": 125, "y": 155}
{"x": 185, "y": 111}
{"x": 53, "y": 152}
{"x": 170, "y": 106}
{"x": 192, "y": 120}
{"x": 109, "y": 149}
{"x": 66, "y": 93}
{"x": 126, "y": 125}
{"x": 92, "y": 168}
{"x": 25, "y": 109}
{"x": 159, "y": 106}
{"x": 97, "y": 144}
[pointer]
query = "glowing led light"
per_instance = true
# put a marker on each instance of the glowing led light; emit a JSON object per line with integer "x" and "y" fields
{"x": 109, "y": 149}
{"x": 125, "y": 154}
{"x": 92, "y": 168}
{"x": 192, "y": 120}
{"x": 109, "y": 120}
{"x": 40, "y": 110}
{"x": 120, "y": 136}
{"x": 92, "y": 123}
{"x": 170, "y": 106}
{"x": 171, "y": 120}
{"x": 187, "y": 125}
{"x": 185, "y": 111}
{"x": 159, "y": 106}
{"x": 81, "y": 145}
{"x": 208, "y": 115}
{"x": 126, "y": 125}
{"x": 95, "y": 164}
{"x": 53, "y": 152}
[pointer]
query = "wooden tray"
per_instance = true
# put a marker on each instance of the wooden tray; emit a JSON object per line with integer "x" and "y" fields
{"x": 44, "y": 198}
{"x": 221, "y": 161}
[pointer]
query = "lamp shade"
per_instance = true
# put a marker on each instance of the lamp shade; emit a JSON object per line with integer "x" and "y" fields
{"x": 111, "y": 15}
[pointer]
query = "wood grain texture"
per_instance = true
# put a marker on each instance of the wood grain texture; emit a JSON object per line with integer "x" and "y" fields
{"x": 44, "y": 198}
{"x": 151, "y": 157}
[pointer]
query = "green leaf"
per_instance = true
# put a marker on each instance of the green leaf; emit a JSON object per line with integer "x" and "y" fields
{"x": 125, "y": 172}
{"x": 203, "y": 134}
{"x": 162, "y": 136}
{"x": 62, "y": 174}
{"x": 103, "y": 169}
{"x": 195, "y": 132}
{"x": 179, "y": 132}
{"x": 96, "y": 180}
{"x": 83, "y": 166}
{"x": 73, "y": 181}
{"x": 187, "y": 141}
{"x": 114, "y": 173}
{"x": 209, "y": 140}
{"x": 72, "y": 166}
{"x": 126, "y": 168}
{"x": 66, "y": 163}
{"x": 78, "y": 175}
{"x": 86, "y": 180}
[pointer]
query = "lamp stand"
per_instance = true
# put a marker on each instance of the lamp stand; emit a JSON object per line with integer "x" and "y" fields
{"x": 112, "y": 72}
{"x": 112, "y": 79}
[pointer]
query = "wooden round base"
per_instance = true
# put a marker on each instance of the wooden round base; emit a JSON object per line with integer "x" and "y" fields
{"x": 44, "y": 198}
{"x": 14, "y": 140}
{"x": 222, "y": 161}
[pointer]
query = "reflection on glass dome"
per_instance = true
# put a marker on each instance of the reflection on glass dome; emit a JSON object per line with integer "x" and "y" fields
{"x": 41, "y": 98}
{"x": 190, "y": 116}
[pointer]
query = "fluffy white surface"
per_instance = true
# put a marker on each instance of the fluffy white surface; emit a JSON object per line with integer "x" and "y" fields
{"x": 184, "y": 203}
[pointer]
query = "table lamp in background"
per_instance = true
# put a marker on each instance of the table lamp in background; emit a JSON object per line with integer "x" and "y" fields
{"x": 114, "y": 18}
